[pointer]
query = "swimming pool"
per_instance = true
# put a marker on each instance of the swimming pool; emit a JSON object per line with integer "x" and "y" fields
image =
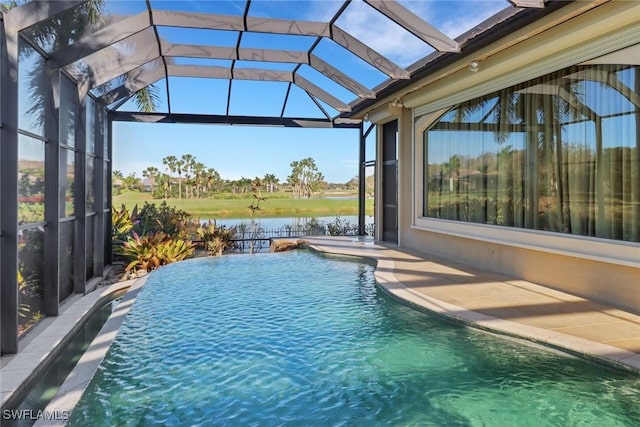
{"x": 300, "y": 339}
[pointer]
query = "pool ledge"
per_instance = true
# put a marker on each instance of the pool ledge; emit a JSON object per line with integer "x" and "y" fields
{"x": 500, "y": 304}
{"x": 45, "y": 341}
{"x": 70, "y": 392}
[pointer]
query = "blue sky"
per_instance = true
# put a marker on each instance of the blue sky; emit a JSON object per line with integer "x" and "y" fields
{"x": 237, "y": 151}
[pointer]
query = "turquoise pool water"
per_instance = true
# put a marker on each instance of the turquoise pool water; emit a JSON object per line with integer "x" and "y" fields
{"x": 298, "y": 339}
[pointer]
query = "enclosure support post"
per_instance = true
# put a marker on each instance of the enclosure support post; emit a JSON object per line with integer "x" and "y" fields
{"x": 361, "y": 183}
{"x": 9, "y": 190}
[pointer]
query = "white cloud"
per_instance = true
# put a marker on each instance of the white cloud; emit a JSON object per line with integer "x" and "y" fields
{"x": 470, "y": 16}
{"x": 451, "y": 17}
{"x": 382, "y": 35}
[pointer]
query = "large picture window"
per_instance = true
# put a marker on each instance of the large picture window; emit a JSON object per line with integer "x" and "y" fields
{"x": 560, "y": 153}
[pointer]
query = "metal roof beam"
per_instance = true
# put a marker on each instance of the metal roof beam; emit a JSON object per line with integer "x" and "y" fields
{"x": 237, "y": 23}
{"x": 197, "y": 51}
{"x": 320, "y": 107}
{"x": 262, "y": 75}
{"x": 206, "y": 21}
{"x": 285, "y": 26}
{"x": 255, "y": 75}
{"x": 369, "y": 55}
{"x": 99, "y": 40}
{"x": 415, "y": 25}
{"x": 266, "y": 55}
{"x": 31, "y": 13}
{"x": 340, "y": 78}
{"x": 126, "y": 116}
{"x": 281, "y": 26}
{"x": 138, "y": 78}
{"x": 116, "y": 60}
{"x": 230, "y": 53}
{"x": 320, "y": 93}
{"x": 200, "y": 71}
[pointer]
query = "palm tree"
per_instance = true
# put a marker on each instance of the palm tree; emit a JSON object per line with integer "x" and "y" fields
{"x": 151, "y": 173}
{"x": 213, "y": 179}
{"x": 199, "y": 177}
{"x": 270, "y": 180}
{"x": 164, "y": 181}
{"x": 244, "y": 184}
{"x": 170, "y": 163}
{"x": 188, "y": 162}
{"x": 179, "y": 169}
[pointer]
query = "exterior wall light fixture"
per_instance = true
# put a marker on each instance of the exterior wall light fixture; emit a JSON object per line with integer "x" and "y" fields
{"x": 397, "y": 103}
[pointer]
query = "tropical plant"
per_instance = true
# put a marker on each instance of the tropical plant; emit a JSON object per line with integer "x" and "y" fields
{"x": 154, "y": 250}
{"x": 122, "y": 222}
{"x": 154, "y": 218}
{"x": 23, "y": 309}
{"x": 341, "y": 227}
{"x": 216, "y": 239}
{"x": 313, "y": 227}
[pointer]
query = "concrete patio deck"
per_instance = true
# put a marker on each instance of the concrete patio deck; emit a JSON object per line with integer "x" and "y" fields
{"x": 499, "y": 303}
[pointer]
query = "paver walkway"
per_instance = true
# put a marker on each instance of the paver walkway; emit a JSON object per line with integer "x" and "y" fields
{"x": 499, "y": 303}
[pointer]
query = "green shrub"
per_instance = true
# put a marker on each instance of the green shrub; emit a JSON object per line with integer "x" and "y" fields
{"x": 154, "y": 218}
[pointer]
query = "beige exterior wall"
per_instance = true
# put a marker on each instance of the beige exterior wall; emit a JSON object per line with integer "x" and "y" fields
{"x": 606, "y": 271}
{"x": 602, "y": 281}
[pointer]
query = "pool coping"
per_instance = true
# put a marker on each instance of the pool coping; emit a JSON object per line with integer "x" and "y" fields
{"x": 79, "y": 378}
{"x": 587, "y": 349}
{"x": 73, "y": 387}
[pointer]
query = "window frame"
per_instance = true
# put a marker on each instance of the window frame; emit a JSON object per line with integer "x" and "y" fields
{"x": 585, "y": 247}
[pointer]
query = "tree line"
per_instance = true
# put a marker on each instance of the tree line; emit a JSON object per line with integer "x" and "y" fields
{"x": 186, "y": 178}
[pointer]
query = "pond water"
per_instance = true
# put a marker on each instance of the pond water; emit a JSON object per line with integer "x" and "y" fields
{"x": 303, "y": 340}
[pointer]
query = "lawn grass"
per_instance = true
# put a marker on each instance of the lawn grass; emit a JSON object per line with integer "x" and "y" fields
{"x": 274, "y": 206}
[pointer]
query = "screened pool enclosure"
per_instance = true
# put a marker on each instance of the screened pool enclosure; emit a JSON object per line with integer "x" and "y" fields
{"x": 70, "y": 69}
